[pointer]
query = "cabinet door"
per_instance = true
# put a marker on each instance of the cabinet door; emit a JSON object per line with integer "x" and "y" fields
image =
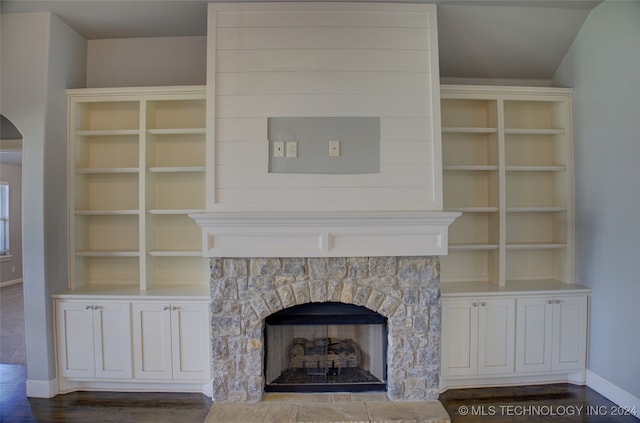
{"x": 74, "y": 335}
{"x": 459, "y": 337}
{"x": 190, "y": 341}
{"x": 152, "y": 340}
{"x": 569, "y": 333}
{"x": 496, "y": 336}
{"x": 533, "y": 339}
{"x": 112, "y": 329}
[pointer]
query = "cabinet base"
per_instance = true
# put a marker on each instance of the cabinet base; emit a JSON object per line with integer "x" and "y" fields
{"x": 67, "y": 386}
{"x": 577, "y": 378}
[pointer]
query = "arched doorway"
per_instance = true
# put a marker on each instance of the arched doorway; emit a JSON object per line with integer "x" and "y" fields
{"x": 12, "y": 327}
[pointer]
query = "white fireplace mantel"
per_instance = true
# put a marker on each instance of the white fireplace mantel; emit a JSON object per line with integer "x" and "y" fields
{"x": 324, "y": 234}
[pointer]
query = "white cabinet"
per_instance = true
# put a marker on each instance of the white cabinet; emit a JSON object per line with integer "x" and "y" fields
{"x": 478, "y": 336}
{"x": 507, "y": 162}
{"x": 551, "y": 333}
{"x": 171, "y": 340}
{"x": 133, "y": 343}
{"x": 513, "y": 336}
{"x": 94, "y": 339}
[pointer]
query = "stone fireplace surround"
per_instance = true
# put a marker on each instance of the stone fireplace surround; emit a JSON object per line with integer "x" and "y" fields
{"x": 244, "y": 291}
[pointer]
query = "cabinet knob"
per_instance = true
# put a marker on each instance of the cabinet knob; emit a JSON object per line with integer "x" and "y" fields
{"x": 174, "y": 308}
{"x": 549, "y": 301}
{"x": 474, "y": 304}
{"x": 88, "y": 307}
{"x": 557, "y": 301}
{"x": 483, "y": 304}
{"x": 166, "y": 307}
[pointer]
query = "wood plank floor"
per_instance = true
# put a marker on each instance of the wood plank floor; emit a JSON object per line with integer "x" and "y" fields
{"x": 95, "y": 407}
{"x": 543, "y": 403}
{"x": 494, "y": 405}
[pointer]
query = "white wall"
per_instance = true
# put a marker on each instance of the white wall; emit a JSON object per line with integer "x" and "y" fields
{"x": 11, "y": 270}
{"x": 41, "y": 57}
{"x": 138, "y": 62}
{"x": 314, "y": 60}
{"x": 603, "y": 66}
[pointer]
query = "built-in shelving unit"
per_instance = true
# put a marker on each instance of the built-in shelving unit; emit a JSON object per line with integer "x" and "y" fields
{"x": 507, "y": 169}
{"x": 137, "y": 170}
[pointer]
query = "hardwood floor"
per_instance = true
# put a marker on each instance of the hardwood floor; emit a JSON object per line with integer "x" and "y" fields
{"x": 545, "y": 403}
{"x": 95, "y": 407}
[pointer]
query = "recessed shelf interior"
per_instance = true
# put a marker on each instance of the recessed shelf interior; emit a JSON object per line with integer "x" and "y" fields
{"x": 470, "y": 266}
{"x": 466, "y": 113}
{"x": 470, "y": 188}
{"x": 534, "y": 114}
{"x": 173, "y": 232}
{"x": 481, "y": 229}
{"x": 540, "y": 228}
{"x": 469, "y": 149}
{"x": 177, "y": 271}
{"x": 106, "y": 191}
{"x": 176, "y": 190}
{"x": 536, "y": 189}
{"x": 107, "y": 271}
{"x": 107, "y": 233}
{"x": 107, "y": 115}
{"x": 171, "y": 114}
{"x": 176, "y": 150}
{"x": 104, "y": 152}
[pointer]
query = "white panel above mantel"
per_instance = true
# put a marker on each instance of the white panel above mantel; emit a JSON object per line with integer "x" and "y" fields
{"x": 324, "y": 234}
{"x": 323, "y": 60}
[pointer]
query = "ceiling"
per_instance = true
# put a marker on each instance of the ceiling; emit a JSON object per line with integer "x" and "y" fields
{"x": 478, "y": 39}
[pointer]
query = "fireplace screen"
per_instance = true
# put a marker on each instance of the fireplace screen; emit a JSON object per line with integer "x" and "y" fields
{"x": 324, "y": 347}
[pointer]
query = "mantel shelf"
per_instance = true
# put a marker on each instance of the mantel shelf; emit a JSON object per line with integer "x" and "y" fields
{"x": 329, "y": 234}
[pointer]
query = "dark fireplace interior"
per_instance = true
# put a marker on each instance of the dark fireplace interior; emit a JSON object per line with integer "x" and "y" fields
{"x": 325, "y": 347}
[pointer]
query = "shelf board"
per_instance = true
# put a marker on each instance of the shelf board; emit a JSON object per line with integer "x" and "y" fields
{"x": 107, "y": 212}
{"x": 175, "y": 211}
{"x": 178, "y": 131}
{"x": 107, "y": 132}
{"x": 534, "y": 131}
{"x": 472, "y": 247}
{"x": 471, "y": 167}
{"x": 87, "y": 170}
{"x": 107, "y": 253}
{"x": 468, "y": 130}
{"x": 536, "y": 246}
{"x": 176, "y": 169}
{"x": 536, "y": 209}
{"x": 175, "y": 253}
{"x": 472, "y": 209}
{"x": 550, "y": 168}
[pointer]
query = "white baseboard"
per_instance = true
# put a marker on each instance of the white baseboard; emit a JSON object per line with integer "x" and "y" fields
{"x": 42, "y": 388}
{"x": 613, "y": 393}
{"x": 9, "y": 283}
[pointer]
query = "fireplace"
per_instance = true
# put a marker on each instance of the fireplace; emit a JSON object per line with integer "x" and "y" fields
{"x": 325, "y": 347}
{"x": 249, "y": 295}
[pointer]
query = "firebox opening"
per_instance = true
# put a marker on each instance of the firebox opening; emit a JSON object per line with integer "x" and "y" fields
{"x": 325, "y": 347}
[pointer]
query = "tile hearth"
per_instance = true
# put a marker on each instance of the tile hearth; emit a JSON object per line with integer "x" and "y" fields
{"x": 335, "y": 407}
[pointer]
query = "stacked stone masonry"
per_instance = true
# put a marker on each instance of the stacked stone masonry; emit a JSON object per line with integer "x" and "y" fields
{"x": 244, "y": 291}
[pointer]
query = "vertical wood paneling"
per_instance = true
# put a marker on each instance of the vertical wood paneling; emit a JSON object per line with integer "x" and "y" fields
{"x": 323, "y": 59}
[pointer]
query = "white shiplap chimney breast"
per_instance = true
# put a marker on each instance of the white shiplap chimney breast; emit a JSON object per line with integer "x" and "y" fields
{"x": 304, "y": 59}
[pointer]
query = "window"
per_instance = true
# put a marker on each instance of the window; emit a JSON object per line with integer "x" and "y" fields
{"x": 4, "y": 218}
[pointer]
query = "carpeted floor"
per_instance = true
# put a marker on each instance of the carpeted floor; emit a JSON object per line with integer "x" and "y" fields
{"x": 12, "y": 340}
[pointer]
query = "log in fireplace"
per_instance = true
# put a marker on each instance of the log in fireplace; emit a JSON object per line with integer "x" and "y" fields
{"x": 325, "y": 347}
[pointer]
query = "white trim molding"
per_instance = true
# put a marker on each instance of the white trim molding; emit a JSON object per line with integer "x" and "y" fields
{"x": 324, "y": 234}
{"x": 42, "y": 388}
{"x": 614, "y": 393}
